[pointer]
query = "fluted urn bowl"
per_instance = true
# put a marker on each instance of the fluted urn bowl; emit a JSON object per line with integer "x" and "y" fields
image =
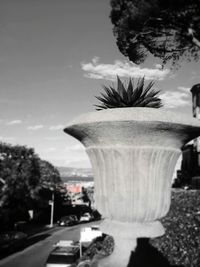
{"x": 133, "y": 152}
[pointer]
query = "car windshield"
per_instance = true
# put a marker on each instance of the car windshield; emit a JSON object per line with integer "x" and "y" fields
{"x": 66, "y": 250}
{"x": 62, "y": 259}
{"x": 65, "y": 218}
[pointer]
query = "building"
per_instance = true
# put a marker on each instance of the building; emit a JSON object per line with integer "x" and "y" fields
{"x": 189, "y": 175}
{"x": 75, "y": 190}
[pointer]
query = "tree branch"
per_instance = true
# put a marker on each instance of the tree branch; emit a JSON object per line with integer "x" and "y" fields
{"x": 194, "y": 39}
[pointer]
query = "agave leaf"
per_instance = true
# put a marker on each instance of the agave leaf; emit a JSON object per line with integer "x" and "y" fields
{"x": 111, "y": 101}
{"x": 103, "y": 100}
{"x": 130, "y": 91}
{"x": 116, "y": 95}
{"x": 110, "y": 106}
{"x": 141, "y": 100}
{"x": 107, "y": 101}
{"x": 121, "y": 89}
{"x": 138, "y": 103}
{"x": 108, "y": 91}
{"x": 105, "y": 96}
{"x": 108, "y": 98}
{"x": 154, "y": 100}
{"x": 108, "y": 94}
{"x": 105, "y": 106}
{"x": 100, "y": 107}
{"x": 113, "y": 96}
{"x": 153, "y": 93}
{"x": 139, "y": 89}
{"x": 130, "y": 87}
{"x": 148, "y": 88}
{"x": 156, "y": 104}
{"x": 145, "y": 102}
{"x": 140, "y": 83}
{"x": 137, "y": 93}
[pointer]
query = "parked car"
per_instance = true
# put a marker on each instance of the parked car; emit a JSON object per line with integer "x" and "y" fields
{"x": 66, "y": 243}
{"x": 63, "y": 256}
{"x": 68, "y": 220}
{"x": 96, "y": 215}
{"x": 11, "y": 241}
{"x": 95, "y": 227}
{"x": 86, "y": 217}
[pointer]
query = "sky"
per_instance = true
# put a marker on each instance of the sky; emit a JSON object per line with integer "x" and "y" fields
{"x": 54, "y": 58}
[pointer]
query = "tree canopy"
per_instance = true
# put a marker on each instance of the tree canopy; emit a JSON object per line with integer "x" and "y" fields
{"x": 167, "y": 29}
{"x": 23, "y": 175}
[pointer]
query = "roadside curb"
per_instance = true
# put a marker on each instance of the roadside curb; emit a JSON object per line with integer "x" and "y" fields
{"x": 45, "y": 230}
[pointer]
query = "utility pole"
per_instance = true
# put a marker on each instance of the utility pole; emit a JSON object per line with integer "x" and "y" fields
{"x": 51, "y": 202}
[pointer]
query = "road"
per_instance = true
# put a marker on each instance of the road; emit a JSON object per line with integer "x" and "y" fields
{"x": 40, "y": 246}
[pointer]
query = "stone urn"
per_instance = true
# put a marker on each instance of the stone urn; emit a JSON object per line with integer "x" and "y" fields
{"x": 133, "y": 153}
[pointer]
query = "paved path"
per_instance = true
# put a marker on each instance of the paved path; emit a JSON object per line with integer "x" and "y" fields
{"x": 40, "y": 245}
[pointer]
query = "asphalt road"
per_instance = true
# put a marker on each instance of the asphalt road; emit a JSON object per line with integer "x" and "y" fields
{"x": 39, "y": 247}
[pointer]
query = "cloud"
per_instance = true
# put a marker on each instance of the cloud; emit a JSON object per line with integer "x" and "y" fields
{"x": 77, "y": 147}
{"x": 52, "y": 138}
{"x": 14, "y": 122}
{"x": 35, "y": 127}
{"x": 6, "y": 139}
{"x": 78, "y": 163}
{"x": 56, "y": 127}
{"x": 96, "y": 70}
{"x": 174, "y": 99}
{"x": 51, "y": 149}
{"x": 158, "y": 66}
{"x": 184, "y": 89}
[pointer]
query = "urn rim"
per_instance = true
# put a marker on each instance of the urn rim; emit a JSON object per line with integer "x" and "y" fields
{"x": 137, "y": 114}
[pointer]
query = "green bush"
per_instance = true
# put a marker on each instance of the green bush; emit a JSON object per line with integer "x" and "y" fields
{"x": 181, "y": 242}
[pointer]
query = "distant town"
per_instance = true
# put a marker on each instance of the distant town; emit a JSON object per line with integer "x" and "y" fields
{"x": 75, "y": 174}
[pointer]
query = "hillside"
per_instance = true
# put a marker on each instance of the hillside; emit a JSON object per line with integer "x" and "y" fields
{"x": 75, "y": 174}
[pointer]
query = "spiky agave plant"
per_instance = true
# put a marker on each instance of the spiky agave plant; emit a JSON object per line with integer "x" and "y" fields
{"x": 128, "y": 96}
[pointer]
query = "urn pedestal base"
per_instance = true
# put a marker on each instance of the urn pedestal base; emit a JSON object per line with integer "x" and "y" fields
{"x": 125, "y": 240}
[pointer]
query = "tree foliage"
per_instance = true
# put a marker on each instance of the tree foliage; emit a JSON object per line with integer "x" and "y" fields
{"x": 49, "y": 174}
{"x": 167, "y": 29}
{"x": 24, "y": 175}
{"x": 85, "y": 197}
